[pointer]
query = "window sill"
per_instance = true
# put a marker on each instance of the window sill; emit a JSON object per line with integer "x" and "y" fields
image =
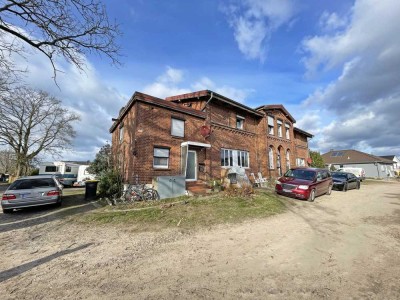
{"x": 177, "y": 137}
{"x": 161, "y": 169}
{"x": 225, "y": 167}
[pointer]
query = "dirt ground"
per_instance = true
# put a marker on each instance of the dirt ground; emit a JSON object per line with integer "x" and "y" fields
{"x": 343, "y": 246}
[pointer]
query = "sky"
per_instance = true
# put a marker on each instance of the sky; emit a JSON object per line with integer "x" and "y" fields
{"x": 334, "y": 65}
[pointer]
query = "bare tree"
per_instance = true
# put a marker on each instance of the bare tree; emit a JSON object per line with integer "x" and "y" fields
{"x": 33, "y": 122}
{"x": 70, "y": 28}
{"x": 7, "y": 161}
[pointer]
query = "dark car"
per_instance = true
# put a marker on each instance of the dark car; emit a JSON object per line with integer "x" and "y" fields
{"x": 344, "y": 181}
{"x": 305, "y": 183}
{"x": 32, "y": 191}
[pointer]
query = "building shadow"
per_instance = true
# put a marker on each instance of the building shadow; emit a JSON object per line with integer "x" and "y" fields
{"x": 7, "y": 274}
{"x": 72, "y": 205}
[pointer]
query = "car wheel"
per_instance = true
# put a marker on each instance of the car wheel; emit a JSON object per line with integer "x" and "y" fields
{"x": 345, "y": 188}
{"x": 7, "y": 211}
{"x": 311, "y": 198}
{"x": 329, "y": 190}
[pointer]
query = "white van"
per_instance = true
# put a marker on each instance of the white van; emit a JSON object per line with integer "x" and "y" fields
{"x": 359, "y": 172}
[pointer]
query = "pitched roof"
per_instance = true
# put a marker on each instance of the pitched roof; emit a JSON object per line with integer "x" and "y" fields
{"x": 279, "y": 107}
{"x": 389, "y": 157}
{"x": 140, "y": 97}
{"x": 352, "y": 156}
{"x": 303, "y": 132}
{"x": 215, "y": 95}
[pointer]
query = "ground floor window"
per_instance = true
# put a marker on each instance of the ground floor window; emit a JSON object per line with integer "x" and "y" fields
{"x": 234, "y": 158}
{"x": 271, "y": 157}
{"x": 161, "y": 158}
{"x": 300, "y": 162}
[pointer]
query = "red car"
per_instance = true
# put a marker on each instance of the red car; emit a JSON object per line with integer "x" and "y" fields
{"x": 305, "y": 183}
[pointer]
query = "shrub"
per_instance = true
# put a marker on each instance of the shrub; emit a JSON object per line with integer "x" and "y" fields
{"x": 245, "y": 190}
{"x": 110, "y": 183}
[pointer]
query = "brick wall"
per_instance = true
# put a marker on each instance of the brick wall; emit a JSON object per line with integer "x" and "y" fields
{"x": 150, "y": 126}
{"x": 147, "y": 125}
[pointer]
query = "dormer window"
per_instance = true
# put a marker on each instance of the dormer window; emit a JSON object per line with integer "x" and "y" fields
{"x": 239, "y": 122}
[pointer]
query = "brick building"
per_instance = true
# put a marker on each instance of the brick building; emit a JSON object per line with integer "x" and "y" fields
{"x": 202, "y": 135}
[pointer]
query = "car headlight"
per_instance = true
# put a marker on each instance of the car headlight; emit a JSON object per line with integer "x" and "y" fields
{"x": 278, "y": 182}
{"x": 303, "y": 187}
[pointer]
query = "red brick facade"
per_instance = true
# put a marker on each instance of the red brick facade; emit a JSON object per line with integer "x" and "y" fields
{"x": 145, "y": 124}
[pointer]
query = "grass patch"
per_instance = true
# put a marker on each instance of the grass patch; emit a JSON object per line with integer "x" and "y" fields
{"x": 189, "y": 213}
{"x": 375, "y": 181}
{"x": 73, "y": 191}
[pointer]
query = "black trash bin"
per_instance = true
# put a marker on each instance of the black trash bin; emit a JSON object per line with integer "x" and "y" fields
{"x": 90, "y": 189}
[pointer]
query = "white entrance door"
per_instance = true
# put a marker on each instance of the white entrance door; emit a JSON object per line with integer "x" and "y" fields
{"x": 191, "y": 166}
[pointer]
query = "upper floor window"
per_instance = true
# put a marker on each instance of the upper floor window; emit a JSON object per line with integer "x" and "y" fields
{"x": 121, "y": 132}
{"x": 161, "y": 158}
{"x": 270, "y": 125}
{"x": 68, "y": 169}
{"x": 177, "y": 127}
{"x": 287, "y": 127}
{"x": 239, "y": 122}
{"x": 279, "y": 128}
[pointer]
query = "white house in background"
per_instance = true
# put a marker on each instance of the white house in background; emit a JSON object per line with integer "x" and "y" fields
{"x": 396, "y": 162}
{"x": 374, "y": 166}
{"x": 66, "y": 171}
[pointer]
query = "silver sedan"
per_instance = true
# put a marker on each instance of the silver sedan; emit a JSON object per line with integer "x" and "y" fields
{"x": 32, "y": 191}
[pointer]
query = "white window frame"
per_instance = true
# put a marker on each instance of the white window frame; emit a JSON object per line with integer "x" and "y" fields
{"x": 279, "y": 122}
{"x": 271, "y": 158}
{"x": 234, "y": 158}
{"x": 287, "y": 126}
{"x": 161, "y": 155}
{"x": 240, "y": 122}
{"x": 121, "y": 132}
{"x": 300, "y": 162}
{"x": 271, "y": 121}
{"x": 287, "y": 159}
{"x": 177, "y": 127}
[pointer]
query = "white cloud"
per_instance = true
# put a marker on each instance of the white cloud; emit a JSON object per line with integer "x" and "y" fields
{"x": 366, "y": 96}
{"x": 167, "y": 84}
{"x": 331, "y": 21}
{"x": 253, "y": 22}
{"x": 233, "y": 93}
{"x": 171, "y": 76}
{"x": 171, "y": 82}
{"x": 365, "y": 35}
{"x": 82, "y": 92}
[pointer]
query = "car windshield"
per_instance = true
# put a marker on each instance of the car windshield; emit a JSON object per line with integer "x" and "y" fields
{"x": 24, "y": 184}
{"x": 339, "y": 175}
{"x": 301, "y": 174}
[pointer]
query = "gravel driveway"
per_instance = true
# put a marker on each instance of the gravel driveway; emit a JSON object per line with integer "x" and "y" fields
{"x": 346, "y": 245}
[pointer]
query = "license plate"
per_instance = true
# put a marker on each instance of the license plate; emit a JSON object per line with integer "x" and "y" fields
{"x": 287, "y": 191}
{"x": 23, "y": 196}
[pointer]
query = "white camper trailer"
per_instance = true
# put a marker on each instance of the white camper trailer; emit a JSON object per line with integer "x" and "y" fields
{"x": 66, "y": 172}
{"x": 83, "y": 174}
